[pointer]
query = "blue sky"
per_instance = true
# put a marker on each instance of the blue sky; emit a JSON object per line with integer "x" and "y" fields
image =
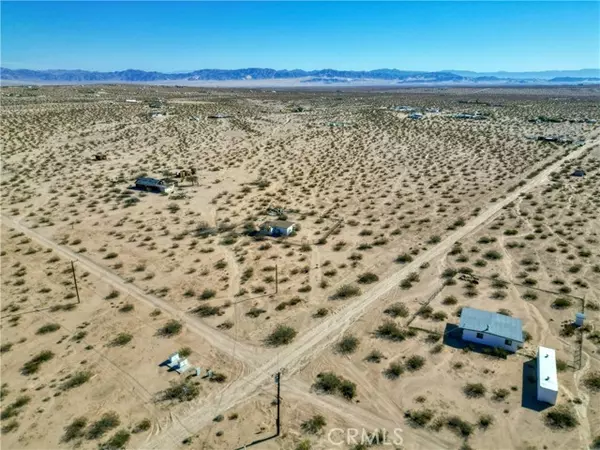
{"x": 177, "y": 36}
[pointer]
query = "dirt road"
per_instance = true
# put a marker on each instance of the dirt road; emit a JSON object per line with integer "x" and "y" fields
{"x": 248, "y": 355}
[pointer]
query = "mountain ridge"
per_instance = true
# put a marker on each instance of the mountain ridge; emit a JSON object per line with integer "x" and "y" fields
{"x": 255, "y": 73}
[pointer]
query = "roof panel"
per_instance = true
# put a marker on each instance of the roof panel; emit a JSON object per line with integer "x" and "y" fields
{"x": 546, "y": 360}
{"x": 492, "y": 323}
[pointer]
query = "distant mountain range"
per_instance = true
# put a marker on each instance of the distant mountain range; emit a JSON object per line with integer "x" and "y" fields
{"x": 324, "y": 76}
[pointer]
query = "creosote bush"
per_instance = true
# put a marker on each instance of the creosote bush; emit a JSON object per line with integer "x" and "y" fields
{"x": 347, "y": 345}
{"x": 182, "y": 391}
{"x": 48, "y": 328}
{"x": 314, "y": 424}
{"x": 171, "y": 328}
{"x": 346, "y": 291}
{"x": 33, "y": 365}
{"x": 561, "y": 417}
{"x": 108, "y": 421}
{"x": 282, "y": 335}
{"x": 474, "y": 390}
{"x": 330, "y": 383}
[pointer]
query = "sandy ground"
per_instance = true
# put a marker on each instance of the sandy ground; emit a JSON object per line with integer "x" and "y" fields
{"x": 364, "y": 184}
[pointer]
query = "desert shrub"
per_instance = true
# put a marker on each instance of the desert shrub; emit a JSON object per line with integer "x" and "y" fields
{"x": 474, "y": 390}
{"x": 367, "y": 278}
{"x": 13, "y": 409}
{"x": 419, "y": 419}
{"x": 121, "y": 339}
{"x": 184, "y": 352}
{"x": 171, "y": 328}
{"x": 75, "y": 429}
{"x": 76, "y": 380}
{"x": 314, "y": 424}
{"x": 425, "y": 311}
{"x": 404, "y": 258}
{"x": 112, "y": 295}
{"x": 450, "y": 300}
{"x": 10, "y": 426}
{"x": 592, "y": 305}
{"x": 390, "y": 331}
{"x": 530, "y": 295}
{"x": 561, "y": 303}
{"x": 592, "y": 381}
{"x": 142, "y": 425}
{"x": 330, "y": 383}
{"x": 304, "y": 445}
{"x": 321, "y": 312}
{"x": 282, "y": 335}
{"x": 182, "y": 391}
{"x": 255, "y": 312}
{"x": 33, "y": 365}
{"x": 561, "y": 365}
{"x": 346, "y": 291}
{"x": 127, "y": 307}
{"x": 434, "y": 240}
{"x": 459, "y": 426}
{"x": 5, "y": 347}
{"x": 439, "y": 316}
{"x": 485, "y": 421}
{"x": 327, "y": 383}
{"x": 48, "y": 328}
{"x": 207, "y": 311}
{"x": 218, "y": 378}
{"x": 415, "y": 362}
{"x": 107, "y": 422}
{"x": 500, "y": 394}
{"x": 207, "y": 294}
{"x": 394, "y": 370}
{"x": 117, "y": 441}
{"x": 375, "y": 356}
{"x": 348, "y": 389}
{"x": 449, "y": 273}
{"x": 561, "y": 417}
{"x": 397, "y": 310}
{"x": 347, "y": 345}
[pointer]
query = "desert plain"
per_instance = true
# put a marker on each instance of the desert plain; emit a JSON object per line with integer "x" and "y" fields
{"x": 408, "y": 204}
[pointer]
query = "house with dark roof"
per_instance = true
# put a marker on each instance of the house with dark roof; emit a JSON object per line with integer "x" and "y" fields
{"x": 491, "y": 329}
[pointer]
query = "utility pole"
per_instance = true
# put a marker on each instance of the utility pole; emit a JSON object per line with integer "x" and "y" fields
{"x": 75, "y": 281}
{"x": 278, "y": 420}
{"x": 276, "y": 280}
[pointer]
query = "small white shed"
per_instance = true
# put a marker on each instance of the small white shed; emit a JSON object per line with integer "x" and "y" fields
{"x": 547, "y": 381}
{"x": 278, "y": 227}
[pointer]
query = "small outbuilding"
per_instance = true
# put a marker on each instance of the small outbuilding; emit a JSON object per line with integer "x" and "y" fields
{"x": 154, "y": 185}
{"x": 547, "y": 381}
{"x": 578, "y": 173}
{"x": 278, "y": 227}
{"x": 491, "y": 329}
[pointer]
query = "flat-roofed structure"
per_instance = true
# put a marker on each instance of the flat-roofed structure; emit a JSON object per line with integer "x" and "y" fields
{"x": 547, "y": 380}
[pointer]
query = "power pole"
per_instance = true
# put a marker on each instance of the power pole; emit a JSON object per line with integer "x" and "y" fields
{"x": 278, "y": 420}
{"x": 276, "y": 280}
{"x": 75, "y": 281}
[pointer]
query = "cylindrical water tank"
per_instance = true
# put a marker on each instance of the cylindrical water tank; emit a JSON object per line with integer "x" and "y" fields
{"x": 579, "y": 318}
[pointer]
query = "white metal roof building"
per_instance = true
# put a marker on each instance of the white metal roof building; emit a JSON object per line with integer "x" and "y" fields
{"x": 491, "y": 329}
{"x": 547, "y": 380}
